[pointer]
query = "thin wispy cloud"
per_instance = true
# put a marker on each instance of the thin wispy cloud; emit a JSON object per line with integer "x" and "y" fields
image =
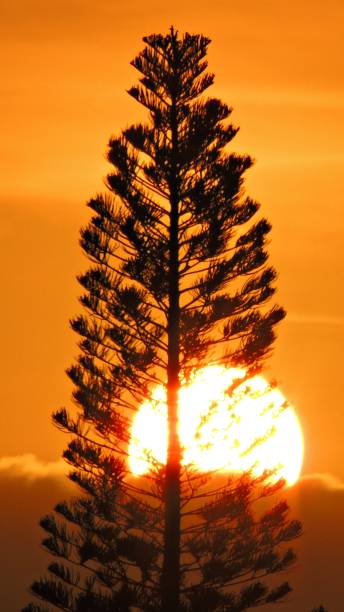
{"x": 314, "y": 319}
{"x": 297, "y": 98}
{"x": 322, "y": 481}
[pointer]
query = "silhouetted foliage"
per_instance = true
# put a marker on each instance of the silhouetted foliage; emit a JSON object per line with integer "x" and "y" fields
{"x": 179, "y": 280}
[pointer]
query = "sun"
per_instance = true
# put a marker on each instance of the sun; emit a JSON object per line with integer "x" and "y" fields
{"x": 251, "y": 427}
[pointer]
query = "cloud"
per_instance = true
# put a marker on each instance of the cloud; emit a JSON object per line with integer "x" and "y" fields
{"x": 298, "y": 98}
{"x": 311, "y": 319}
{"x": 28, "y": 466}
{"x": 322, "y": 481}
{"x": 30, "y": 488}
{"x": 318, "y": 501}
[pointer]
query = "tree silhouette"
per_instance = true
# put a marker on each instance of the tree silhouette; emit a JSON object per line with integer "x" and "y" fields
{"x": 178, "y": 281}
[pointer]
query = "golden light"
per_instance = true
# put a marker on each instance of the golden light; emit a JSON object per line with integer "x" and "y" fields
{"x": 252, "y": 427}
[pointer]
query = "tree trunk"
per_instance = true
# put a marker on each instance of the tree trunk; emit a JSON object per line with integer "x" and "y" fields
{"x": 171, "y": 565}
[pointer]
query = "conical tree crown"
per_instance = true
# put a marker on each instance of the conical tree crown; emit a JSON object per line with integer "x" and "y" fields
{"x": 179, "y": 156}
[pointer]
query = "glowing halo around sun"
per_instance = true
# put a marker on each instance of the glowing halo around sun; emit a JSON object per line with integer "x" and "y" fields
{"x": 252, "y": 427}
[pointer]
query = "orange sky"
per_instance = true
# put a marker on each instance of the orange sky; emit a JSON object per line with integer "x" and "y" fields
{"x": 64, "y": 75}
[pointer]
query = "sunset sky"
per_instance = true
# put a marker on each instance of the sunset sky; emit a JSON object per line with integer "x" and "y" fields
{"x": 65, "y": 72}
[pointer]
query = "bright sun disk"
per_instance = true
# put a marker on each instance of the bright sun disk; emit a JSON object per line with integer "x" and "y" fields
{"x": 252, "y": 428}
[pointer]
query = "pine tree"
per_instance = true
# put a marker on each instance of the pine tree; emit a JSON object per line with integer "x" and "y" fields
{"x": 179, "y": 280}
